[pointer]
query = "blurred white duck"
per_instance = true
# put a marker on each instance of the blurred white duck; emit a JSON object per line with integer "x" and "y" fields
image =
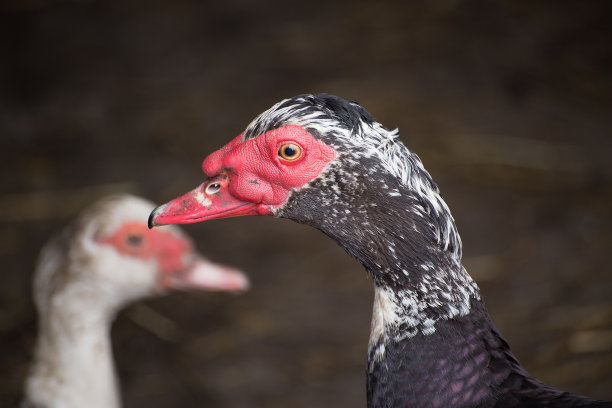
{"x": 105, "y": 260}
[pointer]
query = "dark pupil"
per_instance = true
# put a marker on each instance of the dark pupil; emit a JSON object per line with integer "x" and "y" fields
{"x": 134, "y": 240}
{"x": 290, "y": 151}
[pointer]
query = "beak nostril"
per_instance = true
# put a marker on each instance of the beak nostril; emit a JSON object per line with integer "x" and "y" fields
{"x": 213, "y": 188}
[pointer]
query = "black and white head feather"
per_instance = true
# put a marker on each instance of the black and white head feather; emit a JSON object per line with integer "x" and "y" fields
{"x": 353, "y": 132}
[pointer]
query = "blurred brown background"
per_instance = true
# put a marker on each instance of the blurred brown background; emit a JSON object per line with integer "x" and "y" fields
{"x": 507, "y": 103}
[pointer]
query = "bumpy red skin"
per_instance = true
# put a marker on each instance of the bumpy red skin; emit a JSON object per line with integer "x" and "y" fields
{"x": 254, "y": 179}
{"x": 257, "y": 173}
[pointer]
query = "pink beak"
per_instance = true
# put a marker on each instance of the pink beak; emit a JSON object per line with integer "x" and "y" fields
{"x": 209, "y": 200}
{"x": 205, "y": 275}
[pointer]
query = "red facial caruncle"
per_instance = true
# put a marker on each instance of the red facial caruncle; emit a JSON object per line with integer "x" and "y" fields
{"x": 179, "y": 264}
{"x": 134, "y": 239}
{"x": 253, "y": 177}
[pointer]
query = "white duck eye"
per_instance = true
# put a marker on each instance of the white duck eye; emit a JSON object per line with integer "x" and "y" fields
{"x": 213, "y": 188}
{"x": 134, "y": 240}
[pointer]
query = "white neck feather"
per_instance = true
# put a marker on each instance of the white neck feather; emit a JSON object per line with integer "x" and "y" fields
{"x": 73, "y": 364}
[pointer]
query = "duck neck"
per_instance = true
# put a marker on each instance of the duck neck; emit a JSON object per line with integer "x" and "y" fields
{"x": 73, "y": 364}
{"x": 404, "y": 235}
{"x": 404, "y": 310}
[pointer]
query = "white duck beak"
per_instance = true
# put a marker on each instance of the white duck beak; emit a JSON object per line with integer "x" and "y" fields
{"x": 205, "y": 275}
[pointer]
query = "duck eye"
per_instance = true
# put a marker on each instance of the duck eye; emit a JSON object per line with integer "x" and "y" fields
{"x": 134, "y": 240}
{"x": 290, "y": 152}
{"x": 213, "y": 188}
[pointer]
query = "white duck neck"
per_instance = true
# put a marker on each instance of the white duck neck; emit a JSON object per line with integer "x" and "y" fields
{"x": 73, "y": 363}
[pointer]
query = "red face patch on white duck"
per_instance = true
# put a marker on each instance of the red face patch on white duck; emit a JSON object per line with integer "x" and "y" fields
{"x": 180, "y": 267}
{"x": 135, "y": 239}
{"x": 253, "y": 177}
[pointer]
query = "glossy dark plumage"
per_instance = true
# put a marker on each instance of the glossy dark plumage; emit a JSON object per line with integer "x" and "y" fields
{"x": 404, "y": 235}
{"x": 465, "y": 363}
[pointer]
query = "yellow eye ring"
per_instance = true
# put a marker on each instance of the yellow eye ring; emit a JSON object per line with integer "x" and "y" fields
{"x": 290, "y": 152}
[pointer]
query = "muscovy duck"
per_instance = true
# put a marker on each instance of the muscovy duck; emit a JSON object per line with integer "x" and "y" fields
{"x": 325, "y": 162}
{"x": 106, "y": 259}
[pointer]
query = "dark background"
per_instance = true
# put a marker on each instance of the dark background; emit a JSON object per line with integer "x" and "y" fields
{"x": 507, "y": 103}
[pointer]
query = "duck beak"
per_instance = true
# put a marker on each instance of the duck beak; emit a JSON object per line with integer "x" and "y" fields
{"x": 205, "y": 275}
{"x": 209, "y": 200}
